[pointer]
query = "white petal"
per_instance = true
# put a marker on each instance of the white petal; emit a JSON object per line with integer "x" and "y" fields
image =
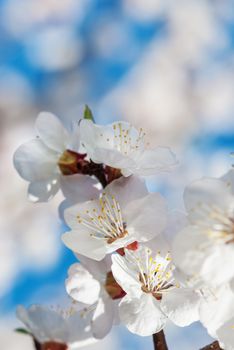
{"x": 160, "y": 159}
{"x": 79, "y": 331}
{"x": 52, "y": 132}
{"x": 35, "y": 162}
{"x": 74, "y": 138}
{"x": 181, "y": 306}
{"x": 142, "y": 316}
{"x": 81, "y": 242}
{"x": 81, "y": 285}
{"x": 23, "y": 315}
{"x": 147, "y": 216}
{"x": 79, "y": 188}
{"x": 124, "y": 190}
{"x": 97, "y": 268}
{"x": 216, "y": 309}
{"x": 43, "y": 191}
{"x": 197, "y": 255}
{"x": 125, "y": 276}
{"x": 103, "y": 317}
{"x": 232, "y": 285}
{"x": 45, "y": 324}
{"x": 80, "y": 209}
{"x": 176, "y": 221}
{"x": 95, "y": 136}
{"x": 225, "y": 335}
{"x": 207, "y": 190}
{"x": 159, "y": 243}
{"x": 127, "y": 190}
{"x": 228, "y": 178}
{"x": 188, "y": 250}
{"x": 218, "y": 267}
{"x": 114, "y": 159}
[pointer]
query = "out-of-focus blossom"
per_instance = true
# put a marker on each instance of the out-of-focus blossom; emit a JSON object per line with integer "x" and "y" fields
{"x": 16, "y": 98}
{"x": 191, "y": 46}
{"x": 153, "y": 294}
{"x": 205, "y": 248}
{"x": 19, "y": 20}
{"x": 170, "y": 84}
{"x": 93, "y": 284}
{"x": 46, "y": 160}
{"x": 67, "y": 329}
{"x": 125, "y": 213}
{"x": 121, "y": 146}
{"x": 27, "y": 233}
{"x": 63, "y": 42}
{"x": 213, "y": 91}
{"x": 147, "y": 11}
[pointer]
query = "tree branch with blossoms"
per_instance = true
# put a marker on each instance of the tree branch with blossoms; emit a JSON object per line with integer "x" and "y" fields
{"x": 127, "y": 271}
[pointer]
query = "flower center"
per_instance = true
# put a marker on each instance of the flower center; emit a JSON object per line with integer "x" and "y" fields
{"x": 217, "y": 224}
{"x": 113, "y": 288}
{"x": 105, "y": 220}
{"x": 127, "y": 140}
{"x": 53, "y": 346}
{"x": 155, "y": 272}
{"x": 71, "y": 162}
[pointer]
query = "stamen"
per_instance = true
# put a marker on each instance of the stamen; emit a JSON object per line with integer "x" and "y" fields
{"x": 128, "y": 140}
{"x": 215, "y": 222}
{"x": 155, "y": 272}
{"x": 106, "y": 220}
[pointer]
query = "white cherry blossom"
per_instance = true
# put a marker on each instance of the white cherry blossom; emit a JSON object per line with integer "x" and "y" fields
{"x": 124, "y": 213}
{"x": 45, "y": 160}
{"x": 49, "y": 327}
{"x": 152, "y": 293}
{"x": 204, "y": 249}
{"x": 93, "y": 284}
{"x": 120, "y": 145}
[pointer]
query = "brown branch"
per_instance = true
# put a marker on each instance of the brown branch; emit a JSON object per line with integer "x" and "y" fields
{"x": 213, "y": 346}
{"x": 159, "y": 341}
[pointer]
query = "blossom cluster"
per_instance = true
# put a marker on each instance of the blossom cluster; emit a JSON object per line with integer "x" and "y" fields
{"x": 127, "y": 272}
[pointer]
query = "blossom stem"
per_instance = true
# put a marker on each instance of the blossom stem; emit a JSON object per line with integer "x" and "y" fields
{"x": 213, "y": 346}
{"x": 36, "y": 344}
{"x": 159, "y": 341}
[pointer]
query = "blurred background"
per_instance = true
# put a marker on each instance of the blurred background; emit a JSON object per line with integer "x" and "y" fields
{"x": 167, "y": 66}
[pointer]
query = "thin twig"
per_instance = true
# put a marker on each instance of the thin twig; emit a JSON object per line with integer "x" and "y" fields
{"x": 159, "y": 341}
{"x": 213, "y": 346}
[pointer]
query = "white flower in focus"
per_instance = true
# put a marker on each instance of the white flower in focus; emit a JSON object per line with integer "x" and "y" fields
{"x": 125, "y": 213}
{"x": 67, "y": 329}
{"x": 225, "y": 335}
{"x": 152, "y": 293}
{"x": 44, "y": 160}
{"x": 93, "y": 284}
{"x": 121, "y": 146}
{"x": 204, "y": 249}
